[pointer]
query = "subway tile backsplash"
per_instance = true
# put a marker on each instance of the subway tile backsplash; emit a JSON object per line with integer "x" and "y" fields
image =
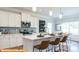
{"x": 6, "y": 30}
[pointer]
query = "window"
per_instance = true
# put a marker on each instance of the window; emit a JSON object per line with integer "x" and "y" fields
{"x": 58, "y": 27}
{"x": 70, "y": 27}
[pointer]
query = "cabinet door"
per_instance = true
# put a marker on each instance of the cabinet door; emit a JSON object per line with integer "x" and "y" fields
{"x": 3, "y": 19}
{"x": 12, "y": 20}
{"x": 25, "y": 17}
{"x": 35, "y": 23}
{"x": 19, "y": 40}
{"x": 32, "y": 21}
{"x": 1, "y": 42}
{"x": 4, "y": 42}
{"x": 13, "y": 42}
{"x": 18, "y": 20}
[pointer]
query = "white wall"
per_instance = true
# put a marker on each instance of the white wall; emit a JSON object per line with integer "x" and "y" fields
{"x": 67, "y": 19}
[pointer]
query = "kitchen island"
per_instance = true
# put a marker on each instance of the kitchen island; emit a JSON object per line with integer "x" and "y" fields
{"x": 30, "y": 40}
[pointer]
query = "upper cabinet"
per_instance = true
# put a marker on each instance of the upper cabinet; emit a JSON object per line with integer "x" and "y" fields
{"x": 18, "y": 20}
{"x": 25, "y": 17}
{"x": 34, "y": 22}
{"x": 4, "y": 19}
{"x": 8, "y": 19}
{"x": 14, "y": 20}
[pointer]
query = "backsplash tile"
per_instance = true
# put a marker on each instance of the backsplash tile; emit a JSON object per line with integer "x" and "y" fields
{"x": 7, "y": 30}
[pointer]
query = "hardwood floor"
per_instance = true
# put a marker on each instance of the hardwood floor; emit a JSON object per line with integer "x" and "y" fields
{"x": 14, "y": 49}
{"x": 18, "y": 47}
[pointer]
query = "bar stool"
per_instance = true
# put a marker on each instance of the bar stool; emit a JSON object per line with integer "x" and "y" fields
{"x": 55, "y": 43}
{"x": 64, "y": 40}
{"x": 42, "y": 46}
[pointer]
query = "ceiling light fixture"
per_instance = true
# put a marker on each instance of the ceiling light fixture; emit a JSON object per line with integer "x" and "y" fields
{"x": 50, "y": 13}
{"x": 61, "y": 14}
{"x": 34, "y": 9}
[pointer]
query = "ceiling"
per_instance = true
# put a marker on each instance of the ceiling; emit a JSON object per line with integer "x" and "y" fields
{"x": 66, "y": 11}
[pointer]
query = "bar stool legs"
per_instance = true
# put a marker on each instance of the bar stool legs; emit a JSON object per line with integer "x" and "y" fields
{"x": 59, "y": 47}
{"x": 40, "y": 50}
{"x": 33, "y": 49}
{"x": 54, "y": 47}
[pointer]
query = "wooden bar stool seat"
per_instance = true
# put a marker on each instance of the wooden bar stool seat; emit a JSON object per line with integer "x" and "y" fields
{"x": 55, "y": 43}
{"x": 42, "y": 46}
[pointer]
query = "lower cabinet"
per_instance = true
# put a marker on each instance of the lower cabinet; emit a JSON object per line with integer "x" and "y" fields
{"x": 9, "y": 41}
{"x": 4, "y": 42}
{"x": 1, "y": 42}
{"x": 16, "y": 40}
{"x": 13, "y": 41}
{"x": 19, "y": 40}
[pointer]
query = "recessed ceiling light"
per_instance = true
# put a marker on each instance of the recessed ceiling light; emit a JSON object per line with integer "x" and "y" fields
{"x": 50, "y": 13}
{"x": 34, "y": 9}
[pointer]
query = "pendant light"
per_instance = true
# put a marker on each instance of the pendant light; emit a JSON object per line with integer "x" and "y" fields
{"x": 34, "y": 9}
{"x": 50, "y": 13}
{"x": 61, "y": 14}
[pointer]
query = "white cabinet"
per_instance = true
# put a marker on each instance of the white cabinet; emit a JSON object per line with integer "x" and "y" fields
{"x": 13, "y": 42}
{"x": 16, "y": 40}
{"x": 11, "y": 20}
{"x": 4, "y": 42}
{"x": 14, "y": 20}
{"x": 10, "y": 40}
{"x": 8, "y": 19}
{"x": 3, "y": 19}
{"x": 34, "y": 22}
{"x": 1, "y": 42}
{"x": 24, "y": 17}
{"x": 19, "y": 39}
{"x": 18, "y": 20}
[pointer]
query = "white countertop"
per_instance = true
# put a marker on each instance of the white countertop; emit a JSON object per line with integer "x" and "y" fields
{"x": 34, "y": 37}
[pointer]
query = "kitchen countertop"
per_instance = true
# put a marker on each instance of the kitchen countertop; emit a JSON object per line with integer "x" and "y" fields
{"x": 34, "y": 37}
{"x": 11, "y": 34}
